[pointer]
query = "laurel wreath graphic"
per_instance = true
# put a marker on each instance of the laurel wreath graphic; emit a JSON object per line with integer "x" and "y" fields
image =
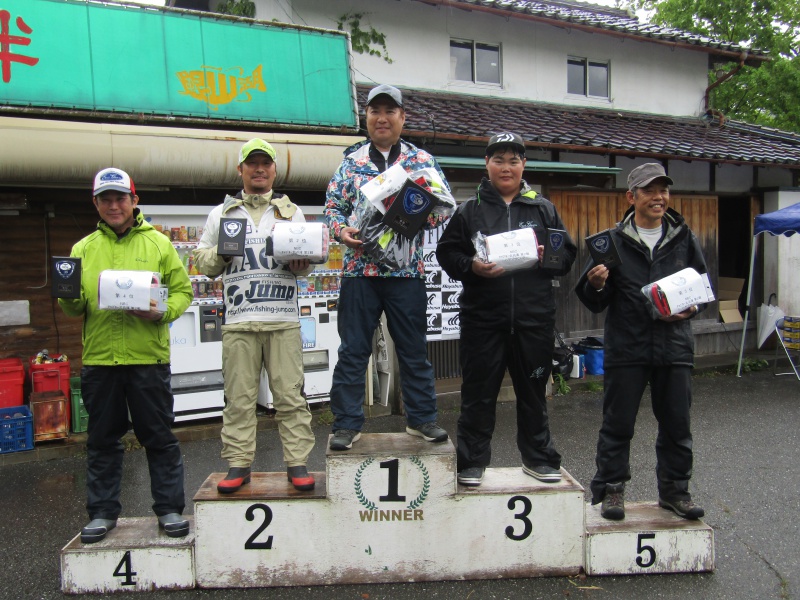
{"x": 426, "y": 484}
{"x": 370, "y": 505}
{"x": 365, "y": 502}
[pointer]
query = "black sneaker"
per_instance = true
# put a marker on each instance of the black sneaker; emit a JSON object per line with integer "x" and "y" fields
{"x": 343, "y": 439}
{"x": 544, "y": 473}
{"x": 613, "y": 506}
{"x": 430, "y": 432}
{"x": 683, "y": 508}
{"x": 473, "y": 476}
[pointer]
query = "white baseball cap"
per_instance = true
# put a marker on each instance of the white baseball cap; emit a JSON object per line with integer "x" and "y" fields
{"x": 113, "y": 179}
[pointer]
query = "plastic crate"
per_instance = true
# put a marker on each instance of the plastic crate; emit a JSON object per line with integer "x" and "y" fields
{"x": 16, "y": 429}
{"x": 12, "y": 378}
{"x": 48, "y": 377}
{"x": 80, "y": 416}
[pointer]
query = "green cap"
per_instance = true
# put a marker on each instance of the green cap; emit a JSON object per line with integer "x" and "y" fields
{"x": 256, "y": 145}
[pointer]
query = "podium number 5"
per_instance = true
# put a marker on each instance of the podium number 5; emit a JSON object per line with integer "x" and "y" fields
{"x": 640, "y": 560}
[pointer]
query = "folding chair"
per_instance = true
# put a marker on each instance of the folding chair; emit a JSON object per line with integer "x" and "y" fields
{"x": 788, "y": 332}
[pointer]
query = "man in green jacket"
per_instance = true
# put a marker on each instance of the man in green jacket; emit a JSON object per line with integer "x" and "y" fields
{"x": 126, "y": 359}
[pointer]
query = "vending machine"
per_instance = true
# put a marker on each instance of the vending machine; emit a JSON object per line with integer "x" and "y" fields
{"x": 196, "y": 336}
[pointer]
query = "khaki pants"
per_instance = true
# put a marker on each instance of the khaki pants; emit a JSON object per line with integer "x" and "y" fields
{"x": 280, "y": 352}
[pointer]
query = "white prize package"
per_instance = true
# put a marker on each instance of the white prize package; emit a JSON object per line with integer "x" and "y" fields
{"x": 131, "y": 290}
{"x": 512, "y": 250}
{"x": 677, "y": 292}
{"x": 378, "y": 189}
{"x": 381, "y": 241}
{"x": 298, "y": 241}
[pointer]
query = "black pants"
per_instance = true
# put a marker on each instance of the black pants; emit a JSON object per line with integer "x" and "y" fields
{"x": 671, "y": 394}
{"x": 485, "y": 355}
{"x": 108, "y": 394}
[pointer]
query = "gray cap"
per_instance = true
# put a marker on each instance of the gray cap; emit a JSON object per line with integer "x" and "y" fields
{"x": 505, "y": 138}
{"x": 645, "y": 174}
{"x": 386, "y": 90}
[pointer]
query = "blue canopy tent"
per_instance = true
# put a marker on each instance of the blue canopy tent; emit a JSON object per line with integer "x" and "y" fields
{"x": 785, "y": 221}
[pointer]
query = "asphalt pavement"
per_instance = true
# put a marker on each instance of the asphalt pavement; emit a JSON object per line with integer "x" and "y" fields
{"x": 747, "y": 474}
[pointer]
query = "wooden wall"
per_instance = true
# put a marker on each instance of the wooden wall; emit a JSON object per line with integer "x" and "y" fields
{"x": 27, "y": 241}
{"x": 587, "y": 212}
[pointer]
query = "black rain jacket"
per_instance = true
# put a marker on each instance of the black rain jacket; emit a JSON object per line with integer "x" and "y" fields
{"x": 519, "y": 299}
{"x": 632, "y": 335}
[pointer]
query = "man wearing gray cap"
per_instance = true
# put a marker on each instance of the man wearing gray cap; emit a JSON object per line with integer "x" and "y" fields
{"x": 370, "y": 286}
{"x": 653, "y": 242}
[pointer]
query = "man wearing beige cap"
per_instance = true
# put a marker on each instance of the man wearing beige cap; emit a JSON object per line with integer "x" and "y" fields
{"x": 126, "y": 359}
{"x": 262, "y": 326}
{"x": 653, "y": 242}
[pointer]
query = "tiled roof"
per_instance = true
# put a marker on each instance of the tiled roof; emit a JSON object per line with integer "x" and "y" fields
{"x": 476, "y": 119}
{"x": 603, "y": 19}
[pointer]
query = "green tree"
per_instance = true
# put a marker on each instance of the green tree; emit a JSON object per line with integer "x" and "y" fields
{"x": 764, "y": 95}
{"x": 238, "y": 8}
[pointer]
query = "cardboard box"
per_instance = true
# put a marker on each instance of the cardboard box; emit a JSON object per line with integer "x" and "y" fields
{"x": 729, "y": 311}
{"x": 728, "y": 291}
{"x": 729, "y": 288}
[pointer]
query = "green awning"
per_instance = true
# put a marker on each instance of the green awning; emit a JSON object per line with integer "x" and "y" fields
{"x": 474, "y": 162}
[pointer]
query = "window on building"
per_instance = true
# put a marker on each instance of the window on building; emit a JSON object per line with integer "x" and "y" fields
{"x": 475, "y": 62}
{"x": 587, "y": 77}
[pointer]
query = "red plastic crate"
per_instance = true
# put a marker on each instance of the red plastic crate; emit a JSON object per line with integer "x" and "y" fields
{"x": 12, "y": 378}
{"x": 50, "y": 376}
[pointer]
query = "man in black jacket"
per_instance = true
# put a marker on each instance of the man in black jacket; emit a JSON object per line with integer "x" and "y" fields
{"x": 507, "y": 318}
{"x": 653, "y": 242}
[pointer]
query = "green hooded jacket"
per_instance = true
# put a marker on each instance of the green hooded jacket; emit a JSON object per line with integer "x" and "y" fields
{"x": 116, "y": 337}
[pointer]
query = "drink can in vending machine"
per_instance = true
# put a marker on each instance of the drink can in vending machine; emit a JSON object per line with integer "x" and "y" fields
{"x": 192, "y": 233}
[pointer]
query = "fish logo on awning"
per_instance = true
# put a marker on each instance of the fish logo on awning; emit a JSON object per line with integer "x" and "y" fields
{"x": 217, "y": 85}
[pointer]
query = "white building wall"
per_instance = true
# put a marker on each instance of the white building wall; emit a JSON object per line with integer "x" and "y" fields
{"x": 689, "y": 177}
{"x": 774, "y": 177}
{"x": 782, "y": 256}
{"x": 734, "y": 178}
{"x": 533, "y": 55}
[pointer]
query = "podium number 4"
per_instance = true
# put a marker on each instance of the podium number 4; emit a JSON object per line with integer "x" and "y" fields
{"x": 124, "y": 569}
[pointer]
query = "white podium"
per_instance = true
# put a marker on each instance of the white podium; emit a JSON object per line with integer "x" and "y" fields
{"x": 649, "y": 540}
{"x": 387, "y": 510}
{"x": 135, "y": 556}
